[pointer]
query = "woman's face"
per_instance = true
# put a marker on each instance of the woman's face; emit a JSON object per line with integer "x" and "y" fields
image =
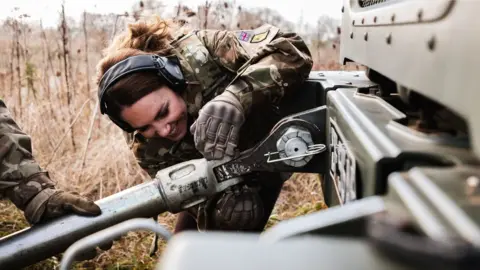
{"x": 161, "y": 113}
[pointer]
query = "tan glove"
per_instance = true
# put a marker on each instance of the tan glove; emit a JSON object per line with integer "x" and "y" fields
{"x": 216, "y": 130}
{"x": 49, "y": 203}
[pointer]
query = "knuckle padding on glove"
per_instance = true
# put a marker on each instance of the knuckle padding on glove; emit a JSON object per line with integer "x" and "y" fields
{"x": 215, "y": 131}
{"x": 73, "y": 202}
{"x": 51, "y": 203}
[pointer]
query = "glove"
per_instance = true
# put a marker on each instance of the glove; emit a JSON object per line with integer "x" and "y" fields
{"x": 50, "y": 203}
{"x": 238, "y": 208}
{"x": 217, "y": 127}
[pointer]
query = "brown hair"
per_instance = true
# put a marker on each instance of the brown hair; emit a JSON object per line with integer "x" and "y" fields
{"x": 139, "y": 38}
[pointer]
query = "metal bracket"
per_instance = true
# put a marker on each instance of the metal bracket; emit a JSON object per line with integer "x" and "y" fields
{"x": 253, "y": 160}
{"x": 87, "y": 245}
{"x": 312, "y": 150}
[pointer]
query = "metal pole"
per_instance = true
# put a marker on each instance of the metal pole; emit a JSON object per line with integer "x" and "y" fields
{"x": 105, "y": 236}
{"x": 42, "y": 241}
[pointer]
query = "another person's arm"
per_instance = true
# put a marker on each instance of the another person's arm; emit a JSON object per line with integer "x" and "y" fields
{"x": 24, "y": 182}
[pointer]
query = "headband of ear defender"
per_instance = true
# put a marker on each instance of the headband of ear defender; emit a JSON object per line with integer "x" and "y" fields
{"x": 167, "y": 67}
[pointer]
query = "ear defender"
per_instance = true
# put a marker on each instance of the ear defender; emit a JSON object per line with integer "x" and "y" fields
{"x": 167, "y": 67}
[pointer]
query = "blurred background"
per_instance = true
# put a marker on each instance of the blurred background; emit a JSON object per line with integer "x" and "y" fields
{"x": 48, "y": 51}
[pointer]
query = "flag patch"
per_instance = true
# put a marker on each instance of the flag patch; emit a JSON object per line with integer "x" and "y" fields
{"x": 244, "y": 36}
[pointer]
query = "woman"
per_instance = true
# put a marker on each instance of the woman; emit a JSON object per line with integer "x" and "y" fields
{"x": 234, "y": 83}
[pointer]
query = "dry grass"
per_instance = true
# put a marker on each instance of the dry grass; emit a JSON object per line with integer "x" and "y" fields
{"x": 44, "y": 82}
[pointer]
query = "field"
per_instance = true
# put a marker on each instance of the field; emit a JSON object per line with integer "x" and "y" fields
{"x": 46, "y": 80}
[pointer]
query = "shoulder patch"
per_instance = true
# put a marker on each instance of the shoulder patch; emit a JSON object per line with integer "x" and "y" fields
{"x": 252, "y": 40}
{"x": 244, "y": 35}
{"x": 259, "y": 37}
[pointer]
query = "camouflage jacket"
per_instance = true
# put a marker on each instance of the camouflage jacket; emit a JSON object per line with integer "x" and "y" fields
{"x": 17, "y": 164}
{"x": 259, "y": 66}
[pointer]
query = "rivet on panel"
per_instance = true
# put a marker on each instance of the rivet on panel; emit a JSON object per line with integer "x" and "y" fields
{"x": 343, "y": 9}
{"x": 351, "y": 35}
{"x": 353, "y": 22}
{"x": 393, "y": 18}
{"x": 363, "y": 20}
{"x": 375, "y": 19}
{"x": 365, "y": 36}
{"x": 389, "y": 38}
{"x": 420, "y": 15}
{"x": 432, "y": 43}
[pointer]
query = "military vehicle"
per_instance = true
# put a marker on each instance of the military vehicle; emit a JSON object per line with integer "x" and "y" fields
{"x": 397, "y": 146}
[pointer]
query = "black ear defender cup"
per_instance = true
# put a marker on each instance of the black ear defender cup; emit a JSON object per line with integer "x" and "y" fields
{"x": 167, "y": 67}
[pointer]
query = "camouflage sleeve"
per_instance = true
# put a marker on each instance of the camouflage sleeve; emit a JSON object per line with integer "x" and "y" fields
{"x": 17, "y": 165}
{"x": 270, "y": 64}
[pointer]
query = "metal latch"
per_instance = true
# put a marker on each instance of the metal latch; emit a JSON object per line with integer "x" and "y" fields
{"x": 311, "y": 150}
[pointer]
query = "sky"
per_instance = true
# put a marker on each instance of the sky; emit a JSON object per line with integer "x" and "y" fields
{"x": 48, "y": 10}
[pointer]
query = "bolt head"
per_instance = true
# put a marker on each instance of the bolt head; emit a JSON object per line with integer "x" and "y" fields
{"x": 473, "y": 181}
{"x": 432, "y": 43}
{"x": 389, "y": 38}
{"x": 420, "y": 15}
{"x": 295, "y": 141}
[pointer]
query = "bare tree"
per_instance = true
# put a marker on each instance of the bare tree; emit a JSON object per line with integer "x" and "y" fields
{"x": 85, "y": 33}
{"x": 66, "y": 67}
{"x": 326, "y": 28}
